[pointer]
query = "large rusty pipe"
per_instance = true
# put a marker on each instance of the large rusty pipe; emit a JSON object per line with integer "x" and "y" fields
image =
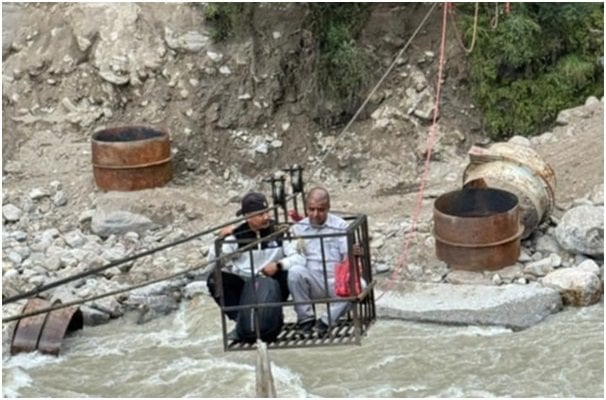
{"x": 517, "y": 169}
{"x": 477, "y": 229}
{"x": 44, "y": 332}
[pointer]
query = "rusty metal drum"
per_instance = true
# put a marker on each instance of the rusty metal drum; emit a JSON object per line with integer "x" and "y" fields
{"x": 131, "y": 158}
{"x": 517, "y": 169}
{"x": 477, "y": 229}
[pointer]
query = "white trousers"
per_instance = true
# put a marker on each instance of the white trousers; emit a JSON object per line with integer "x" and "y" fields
{"x": 305, "y": 285}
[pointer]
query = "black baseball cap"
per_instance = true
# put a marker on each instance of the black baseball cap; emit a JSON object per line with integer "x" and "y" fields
{"x": 253, "y": 201}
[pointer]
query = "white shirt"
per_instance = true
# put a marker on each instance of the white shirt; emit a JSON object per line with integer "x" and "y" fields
{"x": 335, "y": 247}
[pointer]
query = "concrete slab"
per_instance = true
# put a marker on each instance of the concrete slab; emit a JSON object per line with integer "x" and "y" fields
{"x": 513, "y": 306}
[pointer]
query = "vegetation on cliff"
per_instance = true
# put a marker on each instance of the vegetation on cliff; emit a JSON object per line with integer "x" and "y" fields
{"x": 526, "y": 65}
{"x": 533, "y": 62}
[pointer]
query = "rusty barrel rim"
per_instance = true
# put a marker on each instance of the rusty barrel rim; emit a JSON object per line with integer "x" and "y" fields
{"x": 131, "y": 157}
{"x": 477, "y": 228}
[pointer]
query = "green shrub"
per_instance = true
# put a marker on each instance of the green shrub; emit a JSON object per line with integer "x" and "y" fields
{"x": 540, "y": 59}
{"x": 222, "y": 18}
{"x": 343, "y": 66}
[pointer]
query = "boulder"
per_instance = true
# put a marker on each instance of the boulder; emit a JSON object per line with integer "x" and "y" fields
{"x": 581, "y": 230}
{"x": 11, "y": 213}
{"x": 513, "y": 306}
{"x": 92, "y": 316}
{"x": 194, "y": 289}
{"x": 577, "y": 286}
{"x": 119, "y": 222}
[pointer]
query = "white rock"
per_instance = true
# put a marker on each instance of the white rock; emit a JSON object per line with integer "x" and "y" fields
{"x": 581, "y": 230}
{"x": 38, "y": 193}
{"x": 59, "y": 199}
{"x": 262, "y": 148}
{"x": 520, "y": 140}
{"x": 19, "y": 236}
{"x": 195, "y": 289}
{"x": 56, "y": 186}
{"x": 86, "y": 215}
{"x": 224, "y": 70}
{"x": 578, "y": 287}
{"x": 53, "y": 263}
{"x": 74, "y": 238}
{"x": 377, "y": 243}
{"x": 214, "y": 56}
{"x": 14, "y": 257}
{"x": 191, "y": 41}
{"x": 382, "y": 268}
{"x": 544, "y": 266}
{"x": 11, "y": 212}
{"x": 589, "y": 266}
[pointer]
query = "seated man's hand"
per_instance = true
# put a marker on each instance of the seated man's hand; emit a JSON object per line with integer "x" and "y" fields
{"x": 226, "y": 231}
{"x": 357, "y": 250}
{"x": 270, "y": 269}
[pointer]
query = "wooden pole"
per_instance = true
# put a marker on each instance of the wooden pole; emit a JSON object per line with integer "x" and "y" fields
{"x": 265, "y": 380}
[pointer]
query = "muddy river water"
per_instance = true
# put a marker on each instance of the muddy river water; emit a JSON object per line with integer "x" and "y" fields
{"x": 181, "y": 355}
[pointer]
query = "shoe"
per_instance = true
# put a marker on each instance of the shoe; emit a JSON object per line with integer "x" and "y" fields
{"x": 320, "y": 328}
{"x": 305, "y": 329}
{"x": 233, "y": 336}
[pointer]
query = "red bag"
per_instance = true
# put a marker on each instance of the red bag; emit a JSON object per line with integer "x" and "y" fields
{"x": 342, "y": 278}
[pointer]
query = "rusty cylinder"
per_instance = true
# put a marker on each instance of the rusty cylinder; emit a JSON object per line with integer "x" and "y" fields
{"x": 477, "y": 229}
{"x": 131, "y": 158}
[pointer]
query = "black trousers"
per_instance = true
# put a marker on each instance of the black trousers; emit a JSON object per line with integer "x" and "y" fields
{"x": 232, "y": 289}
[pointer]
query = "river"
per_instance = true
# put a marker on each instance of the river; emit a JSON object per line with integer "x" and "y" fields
{"x": 181, "y": 355}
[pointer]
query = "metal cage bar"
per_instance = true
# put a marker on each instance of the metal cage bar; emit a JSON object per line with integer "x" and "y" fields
{"x": 349, "y": 329}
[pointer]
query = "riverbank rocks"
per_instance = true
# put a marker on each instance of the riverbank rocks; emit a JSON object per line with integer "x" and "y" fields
{"x": 579, "y": 286}
{"x": 513, "y": 306}
{"x": 11, "y": 213}
{"x": 236, "y": 111}
{"x": 581, "y": 230}
{"x": 119, "y": 222}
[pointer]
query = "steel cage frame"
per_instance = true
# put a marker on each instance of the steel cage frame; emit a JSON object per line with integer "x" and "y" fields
{"x": 350, "y": 328}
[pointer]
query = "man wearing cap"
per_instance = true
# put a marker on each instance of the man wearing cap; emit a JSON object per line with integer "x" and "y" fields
{"x": 271, "y": 257}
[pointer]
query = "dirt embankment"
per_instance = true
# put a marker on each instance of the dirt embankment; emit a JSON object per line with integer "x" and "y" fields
{"x": 241, "y": 110}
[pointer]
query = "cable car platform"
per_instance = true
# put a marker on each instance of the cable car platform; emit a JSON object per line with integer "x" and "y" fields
{"x": 343, "y": 333}
{"x": 346, "y": 280}
{"x": 346, "y": 331}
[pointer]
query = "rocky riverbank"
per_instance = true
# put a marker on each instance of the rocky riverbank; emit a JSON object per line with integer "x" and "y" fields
{"x": 226, "y": 137}
{"x": 41, "y": 245}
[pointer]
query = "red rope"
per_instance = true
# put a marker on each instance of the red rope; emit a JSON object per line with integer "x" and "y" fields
{"x": 507, "y": 8}
{"x": 430, "y": 144}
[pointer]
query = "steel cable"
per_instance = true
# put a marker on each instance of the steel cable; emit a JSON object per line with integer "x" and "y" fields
{"x": 372, "y": 92}
{"x": 37, "y": 291}
{"x": 247, "y": 247}
{"x": 402, "y": 261}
